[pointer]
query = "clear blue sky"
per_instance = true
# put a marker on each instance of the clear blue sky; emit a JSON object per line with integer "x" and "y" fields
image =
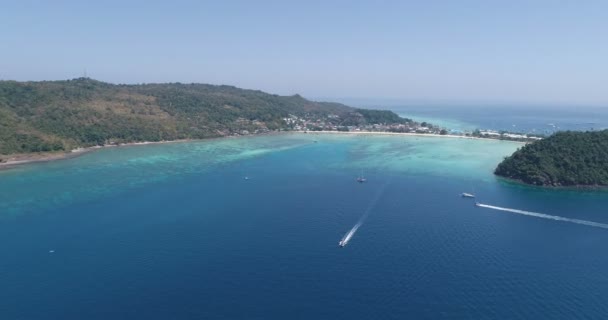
{"x": 527, "y": 51}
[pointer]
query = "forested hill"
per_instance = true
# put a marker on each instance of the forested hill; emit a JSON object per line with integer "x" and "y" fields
{"x": 564, "y": 159}
{"x": 60, "y": 115}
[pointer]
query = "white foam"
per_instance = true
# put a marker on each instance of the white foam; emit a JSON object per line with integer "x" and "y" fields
{"x": 372, "y": 204}
{"x": 350, "y": 234}
{"x": 546, "y": 216}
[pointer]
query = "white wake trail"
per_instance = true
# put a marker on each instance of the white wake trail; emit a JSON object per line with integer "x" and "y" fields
{"x": 349, "y": 234}
{"x": 354, "y": 229}
{"x": 546, "y": 216}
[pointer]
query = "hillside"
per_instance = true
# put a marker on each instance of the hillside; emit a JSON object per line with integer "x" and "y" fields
{"x": 564, "y": 159}
{"x": 61, "y": 115}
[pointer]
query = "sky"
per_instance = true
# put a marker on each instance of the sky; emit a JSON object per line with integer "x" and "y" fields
{"x": 531, "y": 51}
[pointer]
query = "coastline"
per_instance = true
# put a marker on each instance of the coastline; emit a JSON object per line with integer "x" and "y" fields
{"x": 17, "y": 160}
{"x": 429, "y": 135}
{"x": 576, "y": 187}
{"x": 27, "y": 158}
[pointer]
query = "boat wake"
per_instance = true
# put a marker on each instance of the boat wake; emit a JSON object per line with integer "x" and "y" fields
{"x": 354, "y": 229}
{"x": 545, "y": 216}
{"x": 349, "y": 234}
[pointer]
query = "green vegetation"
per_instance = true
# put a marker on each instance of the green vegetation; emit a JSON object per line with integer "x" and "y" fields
{"x": 61, "y": 115}
{"x": 563, "y": 159}
{"x": 381, "y": 116}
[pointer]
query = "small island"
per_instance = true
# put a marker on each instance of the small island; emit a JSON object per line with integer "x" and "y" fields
{"x": 568, "y": 159}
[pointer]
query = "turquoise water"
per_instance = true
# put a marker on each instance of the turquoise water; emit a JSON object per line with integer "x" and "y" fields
{"x": 174, "y": 231}
{"x": 450, "y": 124}
{"x": 524, "y": 119}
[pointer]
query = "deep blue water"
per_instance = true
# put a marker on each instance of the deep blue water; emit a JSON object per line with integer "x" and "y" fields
{"x": 155, "y": 232}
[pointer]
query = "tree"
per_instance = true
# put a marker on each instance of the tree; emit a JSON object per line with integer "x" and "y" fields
{"x": 563, "y": 159}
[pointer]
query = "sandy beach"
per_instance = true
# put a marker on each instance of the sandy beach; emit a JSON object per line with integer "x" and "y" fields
{"x": 429, "y": 135}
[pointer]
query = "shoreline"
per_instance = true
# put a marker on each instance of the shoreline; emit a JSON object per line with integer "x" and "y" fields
{"x": 576, "y": 187}
{"x": 412, "y": 134}
{"x": 17, "y": 160}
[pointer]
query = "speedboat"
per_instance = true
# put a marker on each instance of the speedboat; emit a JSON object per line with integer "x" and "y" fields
{"x": 341, "y": 243}
{"x": 361, "y": 179}
{"x": 477, "y": 204}
{"x": 467, "y": 195}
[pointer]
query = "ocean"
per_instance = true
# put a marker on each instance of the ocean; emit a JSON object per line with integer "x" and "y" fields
{"x": 176, "y": 231}
{"x": 543, "y": 120}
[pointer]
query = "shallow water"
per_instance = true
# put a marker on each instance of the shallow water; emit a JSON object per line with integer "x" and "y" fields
{"x": 174, "y": 231}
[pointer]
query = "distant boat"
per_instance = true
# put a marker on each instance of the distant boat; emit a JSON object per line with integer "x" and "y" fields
{"x": 342, "y": 243}
{"x": 477, "y": 204}
{"x": 246, "y": 178}
{"x": 361, "y": 178}
{"x": 468, "y": 195}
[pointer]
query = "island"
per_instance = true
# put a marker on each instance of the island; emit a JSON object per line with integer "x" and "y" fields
{"x": 46, "y": 120}
{"x": 568, "y": 158}
{"x": 50, "y": 120}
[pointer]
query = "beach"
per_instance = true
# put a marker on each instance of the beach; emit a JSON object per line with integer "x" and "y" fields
{"x": 431, "y": 135}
